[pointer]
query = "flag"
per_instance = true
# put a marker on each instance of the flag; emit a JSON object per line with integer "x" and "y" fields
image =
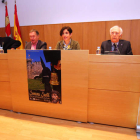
{"x": 17, "y": 34}
{"x": 7, "y": 22}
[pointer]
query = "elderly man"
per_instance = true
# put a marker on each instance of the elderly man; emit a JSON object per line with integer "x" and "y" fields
{"x": 123, "y": 47}
{"x": 35, "y": 42}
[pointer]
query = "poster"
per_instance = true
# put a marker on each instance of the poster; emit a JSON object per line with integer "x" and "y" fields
{"x": 44, "y": 75}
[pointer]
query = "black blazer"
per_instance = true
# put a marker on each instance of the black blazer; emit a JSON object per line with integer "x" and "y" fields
{"x": 40, "y": 45}
{"x": 9, "y": 43}
{"x": 124, "y": 47}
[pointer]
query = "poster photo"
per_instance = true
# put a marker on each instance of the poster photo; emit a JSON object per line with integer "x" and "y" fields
{"x": 44, "y": 75}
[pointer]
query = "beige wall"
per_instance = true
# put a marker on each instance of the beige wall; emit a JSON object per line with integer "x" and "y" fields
{"x": 88, "y": 34}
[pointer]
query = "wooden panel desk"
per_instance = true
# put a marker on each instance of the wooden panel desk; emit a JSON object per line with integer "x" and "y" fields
{"x": 100, "y": 89}
{"x": 114, "y": 89}
{"x": 74, "y": 69}
{"x": 5, "y": 94}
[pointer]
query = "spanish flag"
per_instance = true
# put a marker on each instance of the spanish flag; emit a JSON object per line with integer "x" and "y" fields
{"x": 17, "y": 34}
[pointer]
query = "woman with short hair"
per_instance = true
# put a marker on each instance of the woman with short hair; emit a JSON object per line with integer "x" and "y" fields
{"x": 67, "y": 43}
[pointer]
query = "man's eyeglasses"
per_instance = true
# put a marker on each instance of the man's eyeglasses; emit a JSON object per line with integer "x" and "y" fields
{"x": 116, "y": 33}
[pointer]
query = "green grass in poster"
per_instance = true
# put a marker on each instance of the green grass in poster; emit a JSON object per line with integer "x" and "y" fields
{"x": 35, "y": 84}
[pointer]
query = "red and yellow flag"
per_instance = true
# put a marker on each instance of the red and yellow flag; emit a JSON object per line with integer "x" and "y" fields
{"x": 7, "y": 22}
{"x": 17, "y": 34}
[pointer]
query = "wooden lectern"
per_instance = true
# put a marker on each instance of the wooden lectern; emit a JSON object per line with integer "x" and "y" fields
{"x": 74, "y": 77}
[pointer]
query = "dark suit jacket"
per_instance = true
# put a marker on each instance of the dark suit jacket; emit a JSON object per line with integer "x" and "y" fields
{"x": 73, "y": 46}
{"x": 8, "y": 43}
{"x": 40, "y": 45}
{"x": 124, "y": 47}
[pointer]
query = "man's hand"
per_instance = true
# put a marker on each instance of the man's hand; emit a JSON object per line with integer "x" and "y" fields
{"x": 12, "y": 48}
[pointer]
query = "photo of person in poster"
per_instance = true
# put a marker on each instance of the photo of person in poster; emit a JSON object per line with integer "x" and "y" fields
{"x": 44, "y": 75}
{"x": 55, "y": 97}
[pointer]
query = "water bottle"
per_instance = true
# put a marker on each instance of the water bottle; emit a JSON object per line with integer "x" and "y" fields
{"x": 1, "y": 49}
{"x": 98, "y": 51}
{"x": 50, "y": 48}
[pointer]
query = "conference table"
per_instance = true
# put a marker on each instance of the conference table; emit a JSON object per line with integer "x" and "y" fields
{"x": 95, "y": 88}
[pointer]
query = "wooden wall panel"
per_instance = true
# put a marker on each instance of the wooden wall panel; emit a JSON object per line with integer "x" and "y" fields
{"x": 135, "y": 36}
{"x": 17, "y": 66}
{"x": 113, "y": 107}
{"x": 74, "y": 79}
{"x": 55, "y": 34}
{"x": 52, "y": 34}
{"x": 12, "y": 32}
{"x": 5, "y": 95}
{"x": 88, "y": 34}
{"x": 4, "y": 72}
{"x": 128, "y": 59}
{"x": 112, "y": 74}
{"x": 93, "y": 35}
{"x": 114, "y": 89}
{"x": 124, "y": 24}
{"x": 77, "y": 33}
{"x": 48, "y": 35}
{"x": 2, "y": 32}
{"x": 5, "y": 92}
{"x": 119, "y": 76}
{"x": 3, "y": 56}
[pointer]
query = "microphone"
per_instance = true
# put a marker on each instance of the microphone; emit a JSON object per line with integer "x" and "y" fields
{"x": 2, "y": 44}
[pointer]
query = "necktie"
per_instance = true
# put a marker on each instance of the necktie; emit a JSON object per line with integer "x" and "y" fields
{"x": 115, "y": 47}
